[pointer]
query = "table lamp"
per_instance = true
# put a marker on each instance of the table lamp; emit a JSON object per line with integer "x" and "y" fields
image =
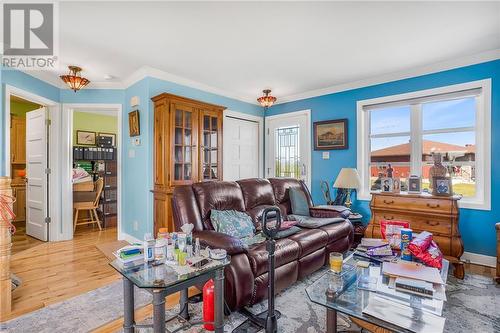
{"x": 348, "y": 178}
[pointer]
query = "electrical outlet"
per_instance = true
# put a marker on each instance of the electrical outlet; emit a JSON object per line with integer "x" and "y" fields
{"x": 136, "y": 225}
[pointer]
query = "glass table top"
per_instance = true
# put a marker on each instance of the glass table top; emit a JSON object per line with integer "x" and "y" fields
{"x": 151, "y": 275}
{"x": 352, "y": 291}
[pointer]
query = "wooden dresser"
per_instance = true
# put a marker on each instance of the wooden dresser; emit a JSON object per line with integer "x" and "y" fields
{"x": 187, "y": 149}
{"x": 438, "y": 215}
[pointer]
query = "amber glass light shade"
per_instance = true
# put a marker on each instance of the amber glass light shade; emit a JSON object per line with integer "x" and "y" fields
{"x": 266, "y": 100}
{"x": 74, "y": 79}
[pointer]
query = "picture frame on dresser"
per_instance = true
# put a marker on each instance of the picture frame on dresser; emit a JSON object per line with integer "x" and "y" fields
{"x": 414, "y": 184}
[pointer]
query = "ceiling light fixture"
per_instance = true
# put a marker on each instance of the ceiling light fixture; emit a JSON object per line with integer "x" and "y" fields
{"x": 74, "y": 79}
{"x": 267, "y": 100}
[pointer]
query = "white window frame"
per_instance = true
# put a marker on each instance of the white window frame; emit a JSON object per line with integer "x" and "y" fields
{"x": 482, "y": 200}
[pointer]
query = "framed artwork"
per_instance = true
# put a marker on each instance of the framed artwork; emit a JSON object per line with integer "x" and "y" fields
{"x": 134, "y": 126}
{"x": 442, "y": 186}
{"x": 330, "y": 134}
{"x": 387, "y": 185}
{"x": 414, "y": 184}
{"x": 86, "y": 138}
{"x": 110, "y": 135}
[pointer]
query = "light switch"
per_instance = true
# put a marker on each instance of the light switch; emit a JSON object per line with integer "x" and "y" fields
{"x": 131, "y": 153}
{"x": 326, "y": 155}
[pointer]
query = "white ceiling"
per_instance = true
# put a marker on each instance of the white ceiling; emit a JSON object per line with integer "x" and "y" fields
{"x": 297, "y": 47}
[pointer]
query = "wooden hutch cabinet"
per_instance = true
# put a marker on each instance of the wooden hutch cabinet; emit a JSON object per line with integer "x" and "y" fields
{"x": 187, "y": 149}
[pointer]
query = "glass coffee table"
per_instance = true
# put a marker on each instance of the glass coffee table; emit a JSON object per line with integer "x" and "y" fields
{"x": 162, "y": 280}
{"x": 354, "y": 290}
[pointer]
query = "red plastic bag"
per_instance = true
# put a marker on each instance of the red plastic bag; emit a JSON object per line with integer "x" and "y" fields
{"x": 433, "y": 256}
{"x": 391, "y": 231}
{"x": 420, "y": 243}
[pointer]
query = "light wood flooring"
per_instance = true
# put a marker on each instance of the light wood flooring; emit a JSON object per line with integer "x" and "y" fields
{"x": 55, "y": 271}
{"x": 21, "y": 241}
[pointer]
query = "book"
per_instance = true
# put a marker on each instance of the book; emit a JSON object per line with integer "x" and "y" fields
{"x": 413, "y": 271}
{"x": 417, "y": 287}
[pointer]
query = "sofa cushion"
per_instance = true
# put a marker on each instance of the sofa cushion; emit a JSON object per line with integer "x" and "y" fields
{"x": 217, "y": 195}
{"x": 286, "y": 251}
{"x": 232, "y": 223}
{"x": 281, "y": 191}
{"x": 283, "y": 233}
{"x": 310, "y": 240}
{"x": 314, "y": 222}
{"x": 337, "y": 231}
{"x": 256, "y": 215}
{"x": 298, "y": 201}
{"x": 256, "y": 192}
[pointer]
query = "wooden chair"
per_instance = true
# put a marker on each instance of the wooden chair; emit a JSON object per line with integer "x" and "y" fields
{"x": 90, "y": 206}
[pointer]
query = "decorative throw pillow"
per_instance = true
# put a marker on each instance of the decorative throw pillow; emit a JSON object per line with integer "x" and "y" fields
{"x": 232, "y": 222}
{"x": 299, "y": 203}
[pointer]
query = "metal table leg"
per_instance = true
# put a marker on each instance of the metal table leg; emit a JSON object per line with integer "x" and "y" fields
{"x": 331, "y": 321}
{"x": 183, "y": 303}
{"x": 219, "y": 301}
{"x": 158, "y": 312}
{"x": 128, "y": 302}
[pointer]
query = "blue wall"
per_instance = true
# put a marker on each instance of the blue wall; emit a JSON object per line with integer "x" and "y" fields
{"x": 138, "y": 171}
{"x": 477, "y": 226}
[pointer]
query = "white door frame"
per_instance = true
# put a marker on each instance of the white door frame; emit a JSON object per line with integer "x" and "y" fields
{"x": 260, "y": 122}
{"x": 307, "y": 113}
{"x": 53, "y": 107}
{"x": 67, "y": 160}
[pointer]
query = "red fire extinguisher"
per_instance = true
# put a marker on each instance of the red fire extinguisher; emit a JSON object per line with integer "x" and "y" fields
{"x": 208, "y": 305}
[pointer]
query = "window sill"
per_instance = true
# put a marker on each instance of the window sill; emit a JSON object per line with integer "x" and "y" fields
{"x": 463, "y": 203}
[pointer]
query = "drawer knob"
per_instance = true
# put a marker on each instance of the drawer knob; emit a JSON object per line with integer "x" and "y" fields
{"x": 433, "y": 206}
{"x": 387, "y": 202}
{"x": 432, "y": 224}
{"x": 389, "y": 218}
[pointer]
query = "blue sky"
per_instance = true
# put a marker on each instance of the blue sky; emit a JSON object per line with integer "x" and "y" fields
{"x": 436, "y": 115}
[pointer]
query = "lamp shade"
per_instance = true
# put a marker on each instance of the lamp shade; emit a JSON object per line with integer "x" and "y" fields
{"x": 348, "y": 178}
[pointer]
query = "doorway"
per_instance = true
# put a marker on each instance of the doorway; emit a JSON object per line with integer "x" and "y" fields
{"x": 91, "y": 169}
{"x": 288, "y": 146}
{"x": 243, "y": 148}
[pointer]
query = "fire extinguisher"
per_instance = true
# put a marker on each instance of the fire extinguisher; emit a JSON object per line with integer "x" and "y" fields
{"x": 208, "y": 305}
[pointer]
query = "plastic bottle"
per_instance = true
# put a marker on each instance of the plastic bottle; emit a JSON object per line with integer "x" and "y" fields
{"x": 149, "y": 244}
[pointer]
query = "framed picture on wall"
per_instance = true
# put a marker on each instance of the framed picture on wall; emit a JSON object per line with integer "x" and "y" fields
{"x": 134, "y": 126}
{"x": 110, "y": 135}
{"x": 86, "y": 138}
{"x": 330, "y": 134}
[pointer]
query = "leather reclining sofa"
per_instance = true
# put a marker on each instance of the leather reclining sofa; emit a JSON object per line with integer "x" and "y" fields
{"x": 246, "y": 277}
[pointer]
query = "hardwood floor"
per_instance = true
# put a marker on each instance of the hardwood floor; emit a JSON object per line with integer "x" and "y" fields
{"x": 52, "y": 272}
{"x": 21, "y": 241}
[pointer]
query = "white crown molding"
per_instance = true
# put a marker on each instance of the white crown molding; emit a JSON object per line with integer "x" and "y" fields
{"x": 147, "y": 71}
{"x": 428, "y": 69}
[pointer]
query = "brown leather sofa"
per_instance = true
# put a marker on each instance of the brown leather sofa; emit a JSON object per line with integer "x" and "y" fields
{"x": 246, "y": 277}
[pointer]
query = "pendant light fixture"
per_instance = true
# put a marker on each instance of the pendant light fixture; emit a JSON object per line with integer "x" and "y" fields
{"x": 267, "y": 100}
{"x": 74, "y": 79}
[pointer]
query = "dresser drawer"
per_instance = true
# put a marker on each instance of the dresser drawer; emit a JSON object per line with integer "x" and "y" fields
{"x": 432, "y": 205}
{"x": 443, "y": 242}
{"x": 417, "y": 223}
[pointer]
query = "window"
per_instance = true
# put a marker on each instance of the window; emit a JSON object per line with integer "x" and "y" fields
{"x": 287, "y": 152}
{"x": 405, "y": 131}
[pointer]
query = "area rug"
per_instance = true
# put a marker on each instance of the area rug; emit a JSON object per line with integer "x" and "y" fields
{"x": 108, "y": 248}
{"x": 473, "y": 305}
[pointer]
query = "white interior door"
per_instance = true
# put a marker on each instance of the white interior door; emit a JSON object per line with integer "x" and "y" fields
{"x": 241, "y": 149}
{"x": 288, "y": 144}
{"x": 36, "y": 165}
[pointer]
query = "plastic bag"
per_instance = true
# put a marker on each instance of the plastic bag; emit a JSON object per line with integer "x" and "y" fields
{"x": 420, "y": 243}
{"x": 391, "y": 231}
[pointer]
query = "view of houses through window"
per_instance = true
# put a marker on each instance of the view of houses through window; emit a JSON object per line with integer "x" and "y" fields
{"x": 446, "y": 126}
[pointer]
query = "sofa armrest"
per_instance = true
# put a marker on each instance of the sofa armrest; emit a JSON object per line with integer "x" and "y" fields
{"x": 324, "y": 212}
{"x": 218, "y": 240}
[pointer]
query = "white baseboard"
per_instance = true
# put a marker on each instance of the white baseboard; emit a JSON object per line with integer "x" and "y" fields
{"x": 129, "y": 238}
{"x": 479, "y": 259}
